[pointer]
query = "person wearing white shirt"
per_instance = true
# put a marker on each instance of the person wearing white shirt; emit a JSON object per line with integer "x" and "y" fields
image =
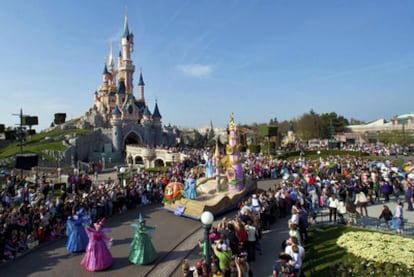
{"x": 398, "y": 219}
{"x": 333, "y": 206}
{"x": 294, "y": 241}
{"x": 251, "y": 241}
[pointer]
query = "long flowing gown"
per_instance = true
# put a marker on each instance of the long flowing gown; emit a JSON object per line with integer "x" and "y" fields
{"x": 97, "y": 256}
{"x": 77, "y": 237}
{"x": 191, "y": 188}
{"x": 142, "y": 251}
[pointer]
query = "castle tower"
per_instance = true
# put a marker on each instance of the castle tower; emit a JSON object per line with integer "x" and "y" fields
{"x": 126, "y": 67}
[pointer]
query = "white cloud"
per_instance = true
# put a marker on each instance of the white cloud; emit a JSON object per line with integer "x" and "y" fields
{"x": 196, "y": 70}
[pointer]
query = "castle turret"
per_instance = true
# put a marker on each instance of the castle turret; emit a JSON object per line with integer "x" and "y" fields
{"x": 141, "y": 86}
{"x": 111, "y": 59}
{"x": 156, "y": 121}
{"x": 105, "y": 73}
{"x": 147, "y": 123}
{"x": 116, "y": 122}
{"x": 156, "y": 116}
{"x": 120, "y": 94}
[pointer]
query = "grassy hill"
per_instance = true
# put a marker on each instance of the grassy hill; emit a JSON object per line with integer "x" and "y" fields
{"x": 51, "y": 140}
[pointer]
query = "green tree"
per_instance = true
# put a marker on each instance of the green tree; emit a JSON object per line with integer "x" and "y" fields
{"x": 331, "y": 123}
{"x": 211, "y": 136}
{"x": 199, "y": 140}
{"x": 309, "y": 126}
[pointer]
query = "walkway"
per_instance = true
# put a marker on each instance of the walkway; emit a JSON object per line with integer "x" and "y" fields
{"x": 371, "y": 221}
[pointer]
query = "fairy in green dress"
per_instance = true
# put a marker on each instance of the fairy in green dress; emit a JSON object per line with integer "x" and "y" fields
{"x": 142, "y": 250}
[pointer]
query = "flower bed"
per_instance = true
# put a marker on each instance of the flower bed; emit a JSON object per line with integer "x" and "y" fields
{"x": 335, "y": 250}
{"x": 379, "y": 247}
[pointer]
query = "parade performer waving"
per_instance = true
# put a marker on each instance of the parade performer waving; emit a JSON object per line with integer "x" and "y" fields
{"x": 75, "y": 230}
{"x": 142, "y": 251}
{"x": 97, "y": 255}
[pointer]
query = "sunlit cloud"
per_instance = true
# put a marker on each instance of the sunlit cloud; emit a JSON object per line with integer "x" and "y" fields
{"x": 196, "y": 70}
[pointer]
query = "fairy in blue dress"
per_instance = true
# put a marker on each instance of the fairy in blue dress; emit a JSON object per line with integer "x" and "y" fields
{"x": 75, "y": 230}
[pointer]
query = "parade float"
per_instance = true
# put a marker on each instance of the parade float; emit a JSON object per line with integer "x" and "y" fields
{"x": 220, "y": 188}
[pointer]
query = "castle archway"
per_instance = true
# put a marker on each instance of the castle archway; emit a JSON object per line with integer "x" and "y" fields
{"x": 158, "y": 163}
{"x": 139, "y": 160}
{"x": 133, "y": 138}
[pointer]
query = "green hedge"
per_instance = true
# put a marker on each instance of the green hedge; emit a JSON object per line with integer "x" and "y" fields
{"x": 322, "y": 153}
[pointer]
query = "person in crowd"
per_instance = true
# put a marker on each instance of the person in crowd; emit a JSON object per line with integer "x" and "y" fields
{"x": 251, "y": 241}
{"x": 282, "y": 267}
{"x": 290, "y": 243}
{"x": 216, "y": 271}
{"x": 142, "y": 250}
{"x": 224, "y": 255}
{"x": 294, "y": 232}
{"x": 333, "y": 206}
{"x": 296, "y": 261}
{"x": 385, "y": 214}
{"x": 186, "y": 269}
{"x": 243, "y": 267}
{"x": 341, "y": 211}
{"x": 362, "y": 201}
{"x": 97, "y": 256}
{"x": 352, "y": 211}
{"x": 398, "y": 219}
{"x": 409, "y": 193}
{"x": 386, "y": 189}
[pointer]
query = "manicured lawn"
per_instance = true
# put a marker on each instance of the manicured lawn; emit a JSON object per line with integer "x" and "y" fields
{"x": 322, "y": 252}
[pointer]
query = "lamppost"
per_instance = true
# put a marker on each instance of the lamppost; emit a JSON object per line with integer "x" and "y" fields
{"x": 122, "y": 171}
{"x": 207, "y": 219}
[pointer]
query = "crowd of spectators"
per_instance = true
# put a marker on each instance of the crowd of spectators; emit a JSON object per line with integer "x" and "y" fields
{"x": 32, "y": 213}
{"x": 344, "y": 186}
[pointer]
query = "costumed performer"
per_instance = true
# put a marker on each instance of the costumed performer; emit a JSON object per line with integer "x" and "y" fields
{"x": 97, "y": 255}
{"x": 209, "y": 166}
{"x": 190, "y": 188}
{"x": 142, "y": 251}
{"x": 75, "y": 230}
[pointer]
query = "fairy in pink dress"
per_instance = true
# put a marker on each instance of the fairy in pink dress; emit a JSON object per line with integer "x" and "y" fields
{"x": 97, "y": 255}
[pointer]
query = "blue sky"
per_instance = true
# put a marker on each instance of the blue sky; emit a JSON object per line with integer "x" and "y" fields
{"x": 202, "y": 60}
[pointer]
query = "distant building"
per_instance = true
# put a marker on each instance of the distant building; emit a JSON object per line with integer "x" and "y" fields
{"x": 364, "y": 132}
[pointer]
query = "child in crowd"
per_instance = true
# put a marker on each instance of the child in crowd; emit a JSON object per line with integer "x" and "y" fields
{"x": 32, "y": 240}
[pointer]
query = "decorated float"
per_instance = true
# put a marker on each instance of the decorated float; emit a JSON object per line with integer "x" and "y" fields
{"x": 219, "y": 189}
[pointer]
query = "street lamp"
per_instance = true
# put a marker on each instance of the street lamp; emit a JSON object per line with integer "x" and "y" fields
{"x": 207, "y": 219}
{"x": 122, "y": 171}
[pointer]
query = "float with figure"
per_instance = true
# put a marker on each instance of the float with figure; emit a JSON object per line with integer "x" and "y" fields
{"x": 219, "y": 188}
